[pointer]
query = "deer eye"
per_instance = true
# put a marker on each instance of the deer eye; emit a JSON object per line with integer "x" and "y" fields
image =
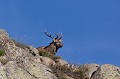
{"x": 57, "y": 42}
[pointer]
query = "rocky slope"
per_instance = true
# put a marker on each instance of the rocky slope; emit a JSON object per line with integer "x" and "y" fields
{"x": 19, "y": 61}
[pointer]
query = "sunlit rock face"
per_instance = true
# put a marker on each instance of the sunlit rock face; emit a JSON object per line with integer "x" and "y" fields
{"x": 89, "y": 69}
{"x": 107, "y": 71}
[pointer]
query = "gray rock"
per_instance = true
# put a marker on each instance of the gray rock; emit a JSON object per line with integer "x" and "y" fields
{"x": 107, "y": 71}
{"x": 38, "y": 70}
{"x": 47, "y": 61}
{"x": 89, "y": 69}
{"x": 33, "y": 51}
{"x": 3, "y": 59}
{"x": 15, "y": 72}
{"x": 27, "y": 70}
{"x": 2, "y": 72}
{"x": 11, "y": 50}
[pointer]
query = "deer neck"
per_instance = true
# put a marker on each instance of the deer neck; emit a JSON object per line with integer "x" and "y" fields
{"x": 51, "y": 48}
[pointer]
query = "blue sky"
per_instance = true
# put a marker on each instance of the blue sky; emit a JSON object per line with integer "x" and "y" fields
{"x": 91, "y": 28}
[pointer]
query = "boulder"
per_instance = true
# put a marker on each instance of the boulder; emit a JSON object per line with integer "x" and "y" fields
{"x": 89, "y": 69}
{"x": 38, "y": 70}
{"x": 4, "y": 59}
{"x": 107, "y": 71}
{"x": 26, "y": 69}
{"x": 12, "y": 71}
{"x": 33, "y": 51}
{"x": 47, "y": 61}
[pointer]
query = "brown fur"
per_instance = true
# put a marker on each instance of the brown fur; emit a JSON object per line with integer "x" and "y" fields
{"x": 53, "y": 46}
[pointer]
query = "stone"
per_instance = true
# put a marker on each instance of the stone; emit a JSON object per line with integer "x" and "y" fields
{"x": 3, "y": 59}
{"x": 89, "y": 69}
{"x": 33, "y": 51}
{"x": 38, "y": 70}
{"x": 107, "y": 71}
{"x": 12, "y": 71}
{"x": 47, "y": 61}
{"x": 2, "y": 72}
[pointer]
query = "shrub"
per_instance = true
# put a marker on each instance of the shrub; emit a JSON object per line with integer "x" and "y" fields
{"x": 61, "y": 71}
{"x": 48, "y": 54}
{"x": 2, "y": 52}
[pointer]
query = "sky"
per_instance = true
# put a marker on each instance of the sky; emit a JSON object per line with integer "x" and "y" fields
{"x": 91, "y": 28}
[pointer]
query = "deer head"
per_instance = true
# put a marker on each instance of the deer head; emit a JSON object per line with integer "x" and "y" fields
{"x": 55, "y": 44}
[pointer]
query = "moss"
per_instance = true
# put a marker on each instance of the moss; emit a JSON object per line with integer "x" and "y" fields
{"x": 2, "y": 52}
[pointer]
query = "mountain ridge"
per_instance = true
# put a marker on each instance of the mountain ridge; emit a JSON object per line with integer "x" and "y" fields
{"x": 19, "y": 61}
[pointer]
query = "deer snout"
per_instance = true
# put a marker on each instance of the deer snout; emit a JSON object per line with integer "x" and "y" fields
{"x": 61, "y": 45}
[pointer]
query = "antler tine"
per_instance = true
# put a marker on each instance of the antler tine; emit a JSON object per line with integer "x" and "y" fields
{"x": 58, "y": 35}
{"x": 49, "y": 35}
{"x": 61, "y": 35}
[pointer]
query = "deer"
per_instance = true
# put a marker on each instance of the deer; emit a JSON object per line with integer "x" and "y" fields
{"x": 54, "y": 45}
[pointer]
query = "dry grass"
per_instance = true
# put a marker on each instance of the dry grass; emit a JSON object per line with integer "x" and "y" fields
{"x": 62, "y": 71}
{"x": 19, "y": 44}
{"x": 49, "y": 54}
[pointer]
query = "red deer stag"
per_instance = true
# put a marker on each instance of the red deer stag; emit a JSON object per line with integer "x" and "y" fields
{"x": 54, "y": 45}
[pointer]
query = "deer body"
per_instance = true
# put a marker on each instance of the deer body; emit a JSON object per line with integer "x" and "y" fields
{"x": 54, "y": 45}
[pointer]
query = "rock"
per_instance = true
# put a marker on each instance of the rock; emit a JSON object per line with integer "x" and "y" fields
{"x": 15, "y": 72}
{"x": 11, "y": 50}
{"x": 61, "y": 62}
{"x": 33, "y": 51}
{"x": 107, "y": 71}
{"x": 3, "y": 33}
{"x": 47, "y": 61}
{"x": 2, "y": 72}
{"x": 89, "y": 69}
{"x": 3, "y": 59}
{"x": 29, "y": 70}
{"x": 38, "y": 70}
{"x": 4, "y": 38}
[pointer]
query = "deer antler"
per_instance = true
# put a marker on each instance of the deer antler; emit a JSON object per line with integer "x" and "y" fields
{"x": 49, "y": 35}
{"x": 58, "y": 35}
